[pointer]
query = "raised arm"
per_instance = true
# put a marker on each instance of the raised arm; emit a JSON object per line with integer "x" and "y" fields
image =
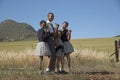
{"x": 69, "y": 34}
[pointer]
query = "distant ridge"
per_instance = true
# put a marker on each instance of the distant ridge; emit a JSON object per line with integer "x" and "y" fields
{"x": 11, "y": 30}
{"x": 117, "y": 36}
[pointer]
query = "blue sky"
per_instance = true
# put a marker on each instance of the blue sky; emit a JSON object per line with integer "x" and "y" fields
{"x": 87, "y": 18}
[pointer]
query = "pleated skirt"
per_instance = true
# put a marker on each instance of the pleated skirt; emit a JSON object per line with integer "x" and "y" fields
{"x": 68, "y": 48}
{"x": 60, "y": 53}
{"x": 42, "y": 49}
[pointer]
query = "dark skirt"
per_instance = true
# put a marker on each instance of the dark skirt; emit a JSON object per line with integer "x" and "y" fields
{"x": 68, "y": 48}
{"x": 59, "y": 51}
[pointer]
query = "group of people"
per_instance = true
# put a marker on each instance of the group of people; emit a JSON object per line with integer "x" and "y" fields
{"x": 54, "y": 43}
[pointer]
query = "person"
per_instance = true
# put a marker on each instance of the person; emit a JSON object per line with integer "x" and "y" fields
{"x": 59, "y": 53}
{"x": 42, "y": 48}
{"x": 68, "y": 48}
{"x": 51, "y": 41}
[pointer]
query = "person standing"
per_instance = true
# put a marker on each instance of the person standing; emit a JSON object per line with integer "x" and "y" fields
{"x": 42, "y": 48}
{"x": 59, "y": 52}
{"x": 51, "y": 41}
{"x": 68, "y": 48}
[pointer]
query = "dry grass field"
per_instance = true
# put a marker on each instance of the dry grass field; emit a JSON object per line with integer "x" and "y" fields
{"x": 90, "y": 61}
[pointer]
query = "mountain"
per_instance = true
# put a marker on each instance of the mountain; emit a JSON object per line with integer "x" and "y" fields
{"x": 117, "y": 36}
{"x": 11, "y": 30}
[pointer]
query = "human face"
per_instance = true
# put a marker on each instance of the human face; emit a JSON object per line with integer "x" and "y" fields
{"x": 43, "y": 25}
{"x": 50, "y": 17}
{"x": 64, "y": 25}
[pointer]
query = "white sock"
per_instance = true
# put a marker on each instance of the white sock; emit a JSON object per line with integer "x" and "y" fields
{"x": 47, "y": 69}
{"x": 61, "y": 69}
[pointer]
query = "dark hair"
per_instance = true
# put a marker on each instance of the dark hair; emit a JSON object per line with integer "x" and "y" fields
{"x": 50, "y": 13}
{"x": 66, "y": 22}
{"x": 42, "y": 21}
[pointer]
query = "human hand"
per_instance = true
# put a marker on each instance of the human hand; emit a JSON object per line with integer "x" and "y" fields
{"x": 57, "y": 26}
{"x": 48, "y": 30}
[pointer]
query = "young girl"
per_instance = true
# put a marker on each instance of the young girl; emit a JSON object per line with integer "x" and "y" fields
{"x": 59, "y": 53}
{"x": 42, "y": 48}
{"x": 68, "y": 48}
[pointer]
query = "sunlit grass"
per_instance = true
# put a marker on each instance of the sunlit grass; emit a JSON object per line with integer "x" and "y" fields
{"x": 18, "y": 60}
{"x": 17, "y": 46}
{"x": 99, "y": 44}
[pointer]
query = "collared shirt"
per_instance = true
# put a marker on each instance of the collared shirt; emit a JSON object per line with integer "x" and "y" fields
{"x": 42, "y": 34}
{"x": 50, "y": 26}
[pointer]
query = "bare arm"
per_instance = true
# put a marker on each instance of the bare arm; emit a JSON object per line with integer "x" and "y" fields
{"x": 69, "y": 35}
{"x": 56, "y": 27}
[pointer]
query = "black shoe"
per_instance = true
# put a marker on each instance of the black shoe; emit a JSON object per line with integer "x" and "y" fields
{"x": 64, "y": 72}
{"x": 58, "y": 72}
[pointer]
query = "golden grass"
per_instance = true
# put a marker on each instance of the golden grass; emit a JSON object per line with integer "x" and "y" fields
{"x": 18, "y": 61}
{"x": 27, "y": 64}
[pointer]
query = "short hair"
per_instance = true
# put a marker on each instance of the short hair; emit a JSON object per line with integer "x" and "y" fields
{"x": 42, "y": 21}
{"x": 50, "y": 13}
{"x": 66, "y": 22}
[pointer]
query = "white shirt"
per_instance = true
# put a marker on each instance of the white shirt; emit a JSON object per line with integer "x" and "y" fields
{"x": 50, "y": 27}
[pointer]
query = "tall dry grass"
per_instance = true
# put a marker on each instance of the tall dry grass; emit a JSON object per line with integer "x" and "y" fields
{"x": 24, "y": 65}
{"x": 90, "y": 60}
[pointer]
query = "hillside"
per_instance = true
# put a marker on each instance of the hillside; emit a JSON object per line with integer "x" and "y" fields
{"x": 117, "y": 36}
{"x": 11, "y": 30}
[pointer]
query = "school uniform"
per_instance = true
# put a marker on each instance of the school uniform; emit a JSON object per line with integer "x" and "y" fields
{"x": 51, "y": 39}
{"x": 68, "y": 48}
{"x": 51, "y": 43}
{"x": 59, "y": 48}
{"x": 42, "y": 48}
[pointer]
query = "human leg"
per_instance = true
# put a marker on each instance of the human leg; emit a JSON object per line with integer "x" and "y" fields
{"x": 51, "y": 44}
{"x": 68, "y": 61}
{"x": 58, "y": 62}
{"x": 48, "y": 64}
{"x": 40, "y": 66}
